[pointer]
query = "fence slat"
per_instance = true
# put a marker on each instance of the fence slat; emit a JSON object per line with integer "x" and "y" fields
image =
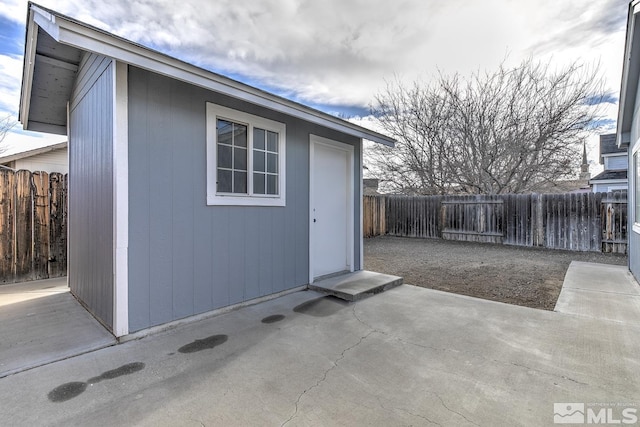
{"x": 58, "y": 225}
{"x": 24, "y": 227}
{"x": 40, "y": 225}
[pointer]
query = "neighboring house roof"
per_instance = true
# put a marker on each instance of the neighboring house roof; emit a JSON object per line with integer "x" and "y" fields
{"x": 53, "y": 51}
{"x": 609, "y": 145}
{"x": 31, "y": 153}
{"x": 630, "y": 75}
{"x": 610, "y": 174}
{"x": 561, "y": 186}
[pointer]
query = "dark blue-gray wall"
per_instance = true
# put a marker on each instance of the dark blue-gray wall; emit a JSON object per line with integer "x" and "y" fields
{"x": 634, "y": 238}
{"x": 186, "y": 257}
{"x": 90, "y": 261}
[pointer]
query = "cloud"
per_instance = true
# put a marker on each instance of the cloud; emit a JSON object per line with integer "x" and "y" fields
{"x": 578, "y": 25}
{"x": 10, "y": 82}
{"x": 336, "y": 53}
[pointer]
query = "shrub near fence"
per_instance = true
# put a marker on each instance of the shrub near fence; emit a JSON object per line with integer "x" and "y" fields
{"x": 33, "y": 225}
{"x": 572, "y": 221}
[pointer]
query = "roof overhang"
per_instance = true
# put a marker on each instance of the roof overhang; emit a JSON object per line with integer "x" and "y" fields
{"x": 34, "y": 152}
{"x": 609, "y": 181}
{"x": 75, "y": 34}
{"x": 630, "y": 74}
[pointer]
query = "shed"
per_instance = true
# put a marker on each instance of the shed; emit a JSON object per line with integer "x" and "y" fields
{"x": 188, "y": 191}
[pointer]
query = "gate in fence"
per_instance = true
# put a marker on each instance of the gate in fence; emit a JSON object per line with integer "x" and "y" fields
{"x": 572, "y": 221}
{"x": 33, "y": 225}
{"x": 471, "y": 219}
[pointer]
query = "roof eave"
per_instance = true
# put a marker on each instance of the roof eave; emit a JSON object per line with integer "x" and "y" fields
{"x": 31, "y": 39}
{"x": 34, "y": 152}
{"x": 609, "y": 181}
{"x": 77, "y": 34}
{"x": 629, "y": 81}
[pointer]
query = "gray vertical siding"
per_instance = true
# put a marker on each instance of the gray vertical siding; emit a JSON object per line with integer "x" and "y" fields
{"x": 186, "y": 257}
{"x": 634, "y": 238}
{"x": 90, "y": 259}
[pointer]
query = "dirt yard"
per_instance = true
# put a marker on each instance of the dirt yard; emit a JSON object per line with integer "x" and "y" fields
{"x": 511, "y": 274}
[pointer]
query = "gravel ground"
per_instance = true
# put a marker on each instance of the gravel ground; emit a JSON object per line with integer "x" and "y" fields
{"x": 515, "y": 275}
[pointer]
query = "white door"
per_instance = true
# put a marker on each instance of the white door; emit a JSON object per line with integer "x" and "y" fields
{"x": 331, "y": 207}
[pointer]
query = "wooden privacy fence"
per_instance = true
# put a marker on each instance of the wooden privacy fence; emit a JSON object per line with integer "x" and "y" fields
{"x": 33, "y": 225}
{"x": 572, "y": 221}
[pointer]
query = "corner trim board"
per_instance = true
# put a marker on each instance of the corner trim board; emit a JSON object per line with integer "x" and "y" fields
{"x": 120, "y": 200}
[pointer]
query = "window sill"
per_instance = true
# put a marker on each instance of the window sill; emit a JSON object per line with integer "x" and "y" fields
{"x": 636, "y": 228}
{"x": 245, "y": 201}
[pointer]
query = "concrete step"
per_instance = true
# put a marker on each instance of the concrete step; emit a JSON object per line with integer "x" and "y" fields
{"x": 356, "y": 285}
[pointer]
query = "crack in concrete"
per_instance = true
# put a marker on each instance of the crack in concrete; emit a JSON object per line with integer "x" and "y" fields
{"x": 353, "y": 310}
{"x": 420, "y": 416}
{"x": 393, "y": 411}
{"x": 451, "y": 410}
{"x": 564, "y": 377}
{"x": 377, "y": 397}
{"x": 427, "y": 347}
{"x": 324, "y": 376}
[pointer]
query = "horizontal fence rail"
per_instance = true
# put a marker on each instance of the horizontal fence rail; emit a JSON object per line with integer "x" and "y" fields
{"x": 33, "y": 225}
{"x": 572, "y": 221}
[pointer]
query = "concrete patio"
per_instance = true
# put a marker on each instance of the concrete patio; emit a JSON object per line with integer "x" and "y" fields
{"x": 41, "y": 322}
{"x": 407, "y": 356}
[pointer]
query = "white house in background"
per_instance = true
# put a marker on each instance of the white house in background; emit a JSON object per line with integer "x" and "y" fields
{"x": 52, "y": 158}
{"x": 616, "y": 162}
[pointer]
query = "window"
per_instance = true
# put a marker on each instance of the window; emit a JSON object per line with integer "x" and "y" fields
{"x": 245, "y": 159}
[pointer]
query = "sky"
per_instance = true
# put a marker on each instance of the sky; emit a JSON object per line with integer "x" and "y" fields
{"x": 335, "y": 55}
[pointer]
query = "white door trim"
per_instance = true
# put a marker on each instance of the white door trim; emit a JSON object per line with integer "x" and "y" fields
{"x": 318, "y": 140}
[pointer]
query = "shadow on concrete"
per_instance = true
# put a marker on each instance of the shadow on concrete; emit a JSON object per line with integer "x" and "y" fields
{"x": 41, "y": 322}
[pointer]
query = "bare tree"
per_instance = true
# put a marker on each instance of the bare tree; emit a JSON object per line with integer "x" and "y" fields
{"x": 6, "y": 124}
{"x": 499, "y": 132}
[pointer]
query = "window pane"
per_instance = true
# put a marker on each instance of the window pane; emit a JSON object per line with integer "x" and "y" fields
{"x": 258, "y": 183}
{"x": 225, "y": 129}
{"x": 272, "y": 184}
{"x": 258, "y": 138}
{"x": 272, "y": 141}
{"x": 224, "y": 181}
{"x": 272, "y": 163}
{"x": 258, "y": 161}
{"x": 239, "y": 182}
{"x": 239, "y": 135}
{"x": 240, "y": 158}
{"x": 224, "y": 156}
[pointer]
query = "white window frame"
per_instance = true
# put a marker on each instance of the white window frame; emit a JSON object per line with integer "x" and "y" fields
{"x": 631, "y": 195}
{"x": 215, "y": 112}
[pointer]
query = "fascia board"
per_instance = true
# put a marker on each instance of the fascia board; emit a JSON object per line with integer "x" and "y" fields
{"x": 608, "y": 181}
{"x": 626, "y": 103}
{"x": 31, "y": 40}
